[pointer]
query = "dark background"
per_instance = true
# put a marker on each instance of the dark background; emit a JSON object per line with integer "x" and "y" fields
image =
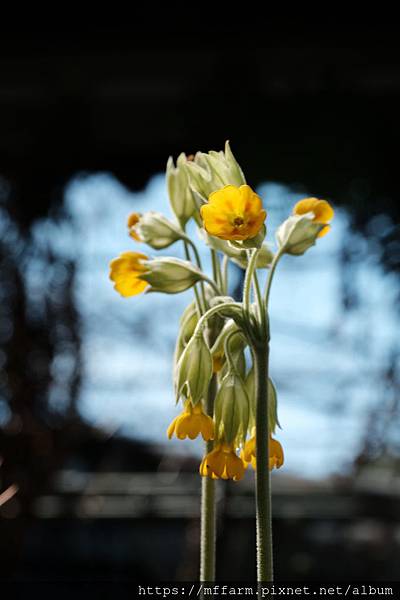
{"x": 318, "y": 107}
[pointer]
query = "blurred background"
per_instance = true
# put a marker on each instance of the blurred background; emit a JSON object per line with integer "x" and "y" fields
{"x": 89, "y": 485}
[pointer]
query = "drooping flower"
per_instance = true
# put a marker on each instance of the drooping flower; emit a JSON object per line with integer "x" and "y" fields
{"x": 192, "y": 422}
{"x": 222, "y": 463}
{"x": 125, "y": 271}
{"x": 321, "y": 209}
{"x": 276, "y": 458}
{"x": 233, "y": 213}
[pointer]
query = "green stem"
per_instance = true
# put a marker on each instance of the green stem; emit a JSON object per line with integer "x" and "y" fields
{"x": 260, "y": 304}
{"x": 200, "y": 303}
{"x": 271, "y": 276}
{"x": 225, "y": 264}
{"x": 248, "y": 279}
{"x": 263, "y": 484}
{"x": 212, "y": 284}
{"x": 208, "y": 509}
{"x": 216, "y": 266}
{"x": 195, "y": 251}
{"x": 227, "y": 351}
{"x": 212, "y": 311}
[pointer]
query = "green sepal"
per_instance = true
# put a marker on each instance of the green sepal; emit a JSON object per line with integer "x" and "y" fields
{"x": 232, "y": 409}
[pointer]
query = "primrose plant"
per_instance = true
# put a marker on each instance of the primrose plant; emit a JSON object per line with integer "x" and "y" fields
{"x": 232, "y": 404}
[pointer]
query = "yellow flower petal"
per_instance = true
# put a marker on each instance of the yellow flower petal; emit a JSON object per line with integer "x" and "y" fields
{"x": 222, "y": 463}
{"x": 133, "y": 220}
{"x": 192, "y": 422}
{"x": 305, "y": 206}
{"x": 207, "y": 428}
{"x": 276, "y": 457}
{"x": 171, "y": 428}
{"x": 233, "y": 213}
{"x": 234, "y": 467}
{"x": 321, "y": 209}
{"x": 323, "y": 212}
{"x": 249, "y": 450}
{"x": 124, "y": 272}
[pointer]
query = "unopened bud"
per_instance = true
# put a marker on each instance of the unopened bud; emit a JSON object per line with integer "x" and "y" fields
{"x": 170, "y": 275}
{"x": 297, "y": 234}
{"x": 194, "y": 370}
{"x": 154, "y": 229}
{"x": 179, "y": 192}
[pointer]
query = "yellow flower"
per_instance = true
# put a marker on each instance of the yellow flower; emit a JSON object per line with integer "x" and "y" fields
{"x": 233, "y": 213}
{"x": 322, "y": 210}
{"x": 191, "y": 422}
{"x": 125, "y": 271}
{"x": 248, "y": 454}
{"x": 222, "y": 463}
{"x": 133, "y": 220}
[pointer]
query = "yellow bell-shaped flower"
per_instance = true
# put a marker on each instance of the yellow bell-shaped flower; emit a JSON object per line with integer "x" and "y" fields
{"x": 192, "y": 422}
{"x": 222, "y": 463}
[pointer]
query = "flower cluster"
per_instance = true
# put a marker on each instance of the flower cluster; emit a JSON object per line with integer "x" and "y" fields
{"x": 214, "y": 373}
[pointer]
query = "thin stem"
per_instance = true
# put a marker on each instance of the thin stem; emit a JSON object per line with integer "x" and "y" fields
{"x": 263, "y": 484}
{"x": 271, "y": 276}
{"x": 200, "y": 303}
{"x": 248, "y": 279}
{"x": 225, "y": 264}
{"x": 212, "y": 284}
{"x": 260, "y": 304}
{"x": 195, "y": 251}
{"x": 208, "y": 509}
{"x": 212, "y": 311}
{"x": 216, "y": 267}
{"x": 227, "y": 351}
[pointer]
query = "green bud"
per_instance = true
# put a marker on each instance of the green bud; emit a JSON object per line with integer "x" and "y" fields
{"x": 297, "y": 234}
{"x": 200, "y": 179}
{"x": 194, "y": 370}
{"x": 225, "y": 167}
{"x": 157, "y": 231}
{"x": 179, "y": 192}
{"x": 232, "y": 409}
{"x": 188, "y": 322}
{"x": 170, "y": 275}
{"x": 250, "y": 384}
{"x": 237, "y": 343}
{"x": 213, "y": 170}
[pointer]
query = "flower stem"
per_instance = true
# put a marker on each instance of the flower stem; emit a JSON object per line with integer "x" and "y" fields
{"x": 214, "y": 260}
{"x": 263, "y": 485}
{"x": 200, "y": 302}
{"x": 208, "y": 509}
{"x": 251, "y": 266}
{"x": 213, "y": 311}
{"x": 272, "y": 268}
{"x": 225, "y": 264}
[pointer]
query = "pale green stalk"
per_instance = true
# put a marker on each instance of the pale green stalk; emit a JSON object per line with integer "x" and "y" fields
{"x": 263, "y": 484}
{"x": 208, "y": 508}
{"x": 200, "y": 302}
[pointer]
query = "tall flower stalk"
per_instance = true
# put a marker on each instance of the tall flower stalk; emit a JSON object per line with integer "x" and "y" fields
{"x": 228, "y": 399}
